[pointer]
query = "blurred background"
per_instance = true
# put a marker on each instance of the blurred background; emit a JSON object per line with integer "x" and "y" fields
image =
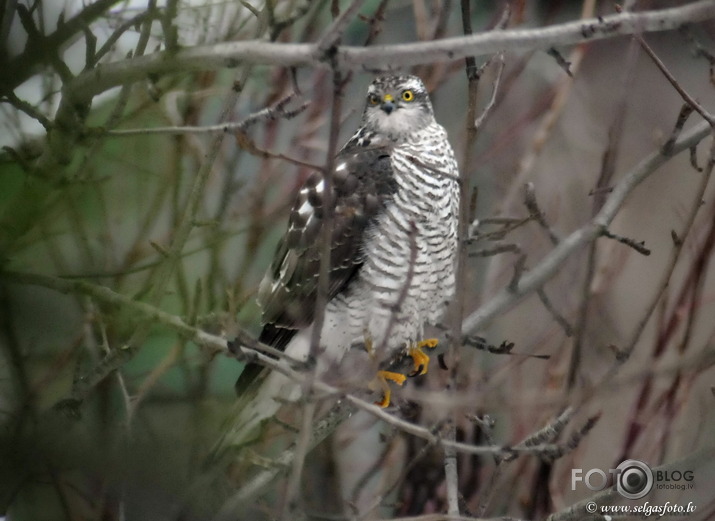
{"x": 108, "y": 414}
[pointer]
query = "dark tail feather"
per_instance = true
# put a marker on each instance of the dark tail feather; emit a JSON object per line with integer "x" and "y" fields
{"x": 273, "y": 336}
{"x": 246, "y": 378}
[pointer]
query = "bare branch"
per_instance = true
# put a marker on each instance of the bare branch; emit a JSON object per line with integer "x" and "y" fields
{"x": 519, "y": 267}
{"x": 79, "y": 92}
{"x": 218, "y": 344}
{"x": 450, "y": 472}
{"x": 694, "y": 159}
{"x": 234, "y": 53}
{"x": 550, "y": 264}
{"x": 560, "y": 60}
{"x": 119, "y": 31}
{"x": 549, "y": 432}
{"x": 638, "y": 246}
{"x": 685, "y": 112}
{"x": 486, "y": 426}
{"x": 558, "y": 317}
{"x": 21, "y": 67}
{"x": 676, "y": 85}
{"x": 536, "y": 213}
{"x": 27, "y": 108}
{"x": 678, "y": 243}
{"x": 276, "y": 111}
{"x": 493, "y": 99}
{"x": 333, "y": 34}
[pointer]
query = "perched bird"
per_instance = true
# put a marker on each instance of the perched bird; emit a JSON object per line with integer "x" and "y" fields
{"x": 395, "y": 200}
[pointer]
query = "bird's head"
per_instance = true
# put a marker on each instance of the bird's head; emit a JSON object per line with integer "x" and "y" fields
{"x": 397, "y": 106}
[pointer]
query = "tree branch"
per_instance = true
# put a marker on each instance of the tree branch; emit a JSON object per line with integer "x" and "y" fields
{"x": 20, "y": 68}
{"x": 550, "y": 264}
{"x": 232, "y": 54}
{"x": 79, "y": 92}
{"x": 218, "y": 344}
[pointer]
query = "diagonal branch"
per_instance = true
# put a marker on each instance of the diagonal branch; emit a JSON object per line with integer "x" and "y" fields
{"x": 550, "y": 264}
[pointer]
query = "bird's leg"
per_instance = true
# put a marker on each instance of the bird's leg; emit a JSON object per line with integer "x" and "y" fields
{"x": 419, "y": 357}
{"x": 382, "y": 377}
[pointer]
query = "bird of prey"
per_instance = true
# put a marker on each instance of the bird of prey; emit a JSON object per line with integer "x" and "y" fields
{"x": 395, "y": 202}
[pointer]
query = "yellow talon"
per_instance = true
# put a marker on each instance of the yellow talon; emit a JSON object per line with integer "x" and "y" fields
{"x": 421, "y": 364}
{"x": 420, "y": 359}
{"x": 381, "y": 379}
{"x": 398, "y": 378}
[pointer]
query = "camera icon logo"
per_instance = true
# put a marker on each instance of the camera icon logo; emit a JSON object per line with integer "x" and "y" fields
{"x": 634, "y": 479}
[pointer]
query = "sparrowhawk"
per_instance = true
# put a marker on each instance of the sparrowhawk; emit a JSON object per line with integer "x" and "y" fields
{"x": 395, "y": 201}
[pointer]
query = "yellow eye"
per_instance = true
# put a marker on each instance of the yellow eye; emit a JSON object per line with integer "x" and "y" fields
{"x": 373, "y": 99}
{"x": 408, "y": 95}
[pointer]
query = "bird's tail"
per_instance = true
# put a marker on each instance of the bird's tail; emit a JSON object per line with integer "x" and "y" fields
{"x": 254, "y": 410}
{"x": 263, "y": 393}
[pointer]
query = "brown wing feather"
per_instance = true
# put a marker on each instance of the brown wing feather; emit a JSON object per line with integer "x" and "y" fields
{"x": 363, "y": 183}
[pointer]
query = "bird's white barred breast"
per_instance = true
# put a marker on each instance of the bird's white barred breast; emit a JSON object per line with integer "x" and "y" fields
{"x": 408, "y": 278}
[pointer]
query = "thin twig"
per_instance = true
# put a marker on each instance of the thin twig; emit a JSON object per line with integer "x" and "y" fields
{"x": 638, "y": 246}
{"x": 519, "y": 267}
{"x": 375, "y": 22}
{"x": 269, "y": 113}
{"x": 486, "y": 426}
{"x": 332, "y": 35}
{"x": 558, "y": 317}
{"x": 497, "y": 249}
{"x": 21, "y": 67}
{"x": 549, "y": 119}
{"x": 550, "y": 431}
{"x": 694, "y": 159}
{"x": 676, "y": 85}
{"x": 249, "y": 146}
{"x": 536, "y": 213}
{"x": 560, "y": 60}
{"x": 685, "y": 112}
{"x": 495, "y": 90}
{"x": 119, "y": 31}
{"x": 27, "y": 108}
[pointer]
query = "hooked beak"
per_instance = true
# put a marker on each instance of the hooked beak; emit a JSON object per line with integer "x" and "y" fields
{"x": 388, "y": 104}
